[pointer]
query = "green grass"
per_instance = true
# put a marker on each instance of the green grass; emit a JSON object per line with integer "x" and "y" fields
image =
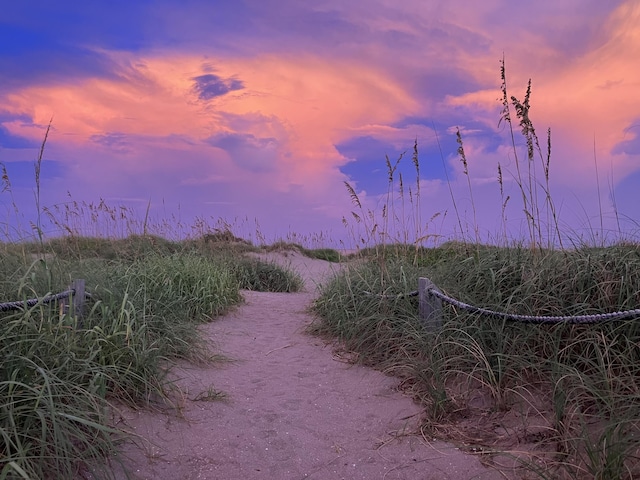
{"x": 575, "y": 389}
{"x": 327, "y": 254}
{"x": 561, "y": 401}
{"x": 261, "y": 276}
{"x": 59, "y": 373}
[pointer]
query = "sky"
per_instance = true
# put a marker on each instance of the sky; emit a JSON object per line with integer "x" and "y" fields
{"x": 187, "y": 116}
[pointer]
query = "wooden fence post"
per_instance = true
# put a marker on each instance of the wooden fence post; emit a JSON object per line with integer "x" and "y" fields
{"x": 78, "y": 299}
{"x": 430, "y": 306}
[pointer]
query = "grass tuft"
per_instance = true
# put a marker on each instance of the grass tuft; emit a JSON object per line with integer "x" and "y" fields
{"x": 560, "y": 401}
{"x": 565, "y": 394}
{"x": 60, "y": 373}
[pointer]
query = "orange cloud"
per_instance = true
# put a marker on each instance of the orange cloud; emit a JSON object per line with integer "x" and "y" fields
{"x": 284, "y": 110}
{"x": 594, "y": 95}
{"x": 315, "y": 100}
{"x": 154, "y": 120}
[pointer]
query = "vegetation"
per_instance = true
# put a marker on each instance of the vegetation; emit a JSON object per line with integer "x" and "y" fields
{"x": 562, "y": 399}
{"x": 327, "y": 254}
{"x": 59, "y": 372}
{"x": 556, "y": 400}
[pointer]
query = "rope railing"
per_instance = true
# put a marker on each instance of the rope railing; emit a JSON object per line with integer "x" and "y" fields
{"x": 396, "y": 296}
{"x": 431, "y": 298}
{"x": 19, "y": 305}
{"x": 76, "y": 291}
{"x": 594, "y": 318}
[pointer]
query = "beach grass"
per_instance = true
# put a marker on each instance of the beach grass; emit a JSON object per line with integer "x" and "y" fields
{"x": 562, "y": 399}
{"x": 61, "y": 372}
{"x": 553, "y": 401}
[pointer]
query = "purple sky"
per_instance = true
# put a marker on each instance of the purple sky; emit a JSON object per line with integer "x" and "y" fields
{"x": 257, "y": 112}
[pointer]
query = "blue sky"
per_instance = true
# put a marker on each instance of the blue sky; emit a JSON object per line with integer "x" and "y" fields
{"x": 255, "y": 113}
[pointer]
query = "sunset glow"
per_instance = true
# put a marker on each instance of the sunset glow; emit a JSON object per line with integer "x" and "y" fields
{"x": 261, "y": 111}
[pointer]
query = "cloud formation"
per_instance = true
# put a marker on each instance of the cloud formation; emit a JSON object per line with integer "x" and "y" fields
{"x": 265, "y": 109}
{"x": 209, "y": 86}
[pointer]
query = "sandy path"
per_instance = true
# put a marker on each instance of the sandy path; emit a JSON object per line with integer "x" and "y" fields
{"x": 293, "y": 410}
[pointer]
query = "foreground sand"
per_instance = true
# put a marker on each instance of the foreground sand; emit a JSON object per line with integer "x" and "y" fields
{"x": 293, "y": 409}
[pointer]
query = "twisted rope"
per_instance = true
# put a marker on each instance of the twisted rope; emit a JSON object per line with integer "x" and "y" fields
{"x": 19, "y": 305}
{"x": 594, "y": 318}
{"x": 398, "y": 296}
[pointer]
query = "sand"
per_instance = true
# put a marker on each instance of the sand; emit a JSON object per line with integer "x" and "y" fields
{"x": 292, "y": 409}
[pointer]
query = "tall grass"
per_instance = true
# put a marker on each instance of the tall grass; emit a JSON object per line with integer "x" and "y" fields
{"x": 560, "y": 401}
{"x": 60, "y": 373}
{"x": 565, "y": 394}
{"x": 555, "y": 401}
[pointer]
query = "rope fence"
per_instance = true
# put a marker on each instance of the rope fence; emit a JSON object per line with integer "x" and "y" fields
{"x": 76, "y": 292}
{"x": 431, "y": 299}
{"x": 594, "y": 318}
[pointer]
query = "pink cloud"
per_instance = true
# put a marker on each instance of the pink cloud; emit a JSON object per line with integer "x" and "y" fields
{"x": 259, "y": 130}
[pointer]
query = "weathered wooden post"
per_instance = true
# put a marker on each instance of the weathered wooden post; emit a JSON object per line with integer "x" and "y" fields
{"x": 77, "y": 302}
{"x": 78, "y": 299}
{"x": 430, "y": 306}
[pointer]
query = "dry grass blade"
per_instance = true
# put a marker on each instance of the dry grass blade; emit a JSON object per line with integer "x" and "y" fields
{"x": 353, "y": 195}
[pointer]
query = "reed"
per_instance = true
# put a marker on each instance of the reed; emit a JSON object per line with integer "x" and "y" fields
{"x": 60, "y": 374}
{"x": 548, "y": 401}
